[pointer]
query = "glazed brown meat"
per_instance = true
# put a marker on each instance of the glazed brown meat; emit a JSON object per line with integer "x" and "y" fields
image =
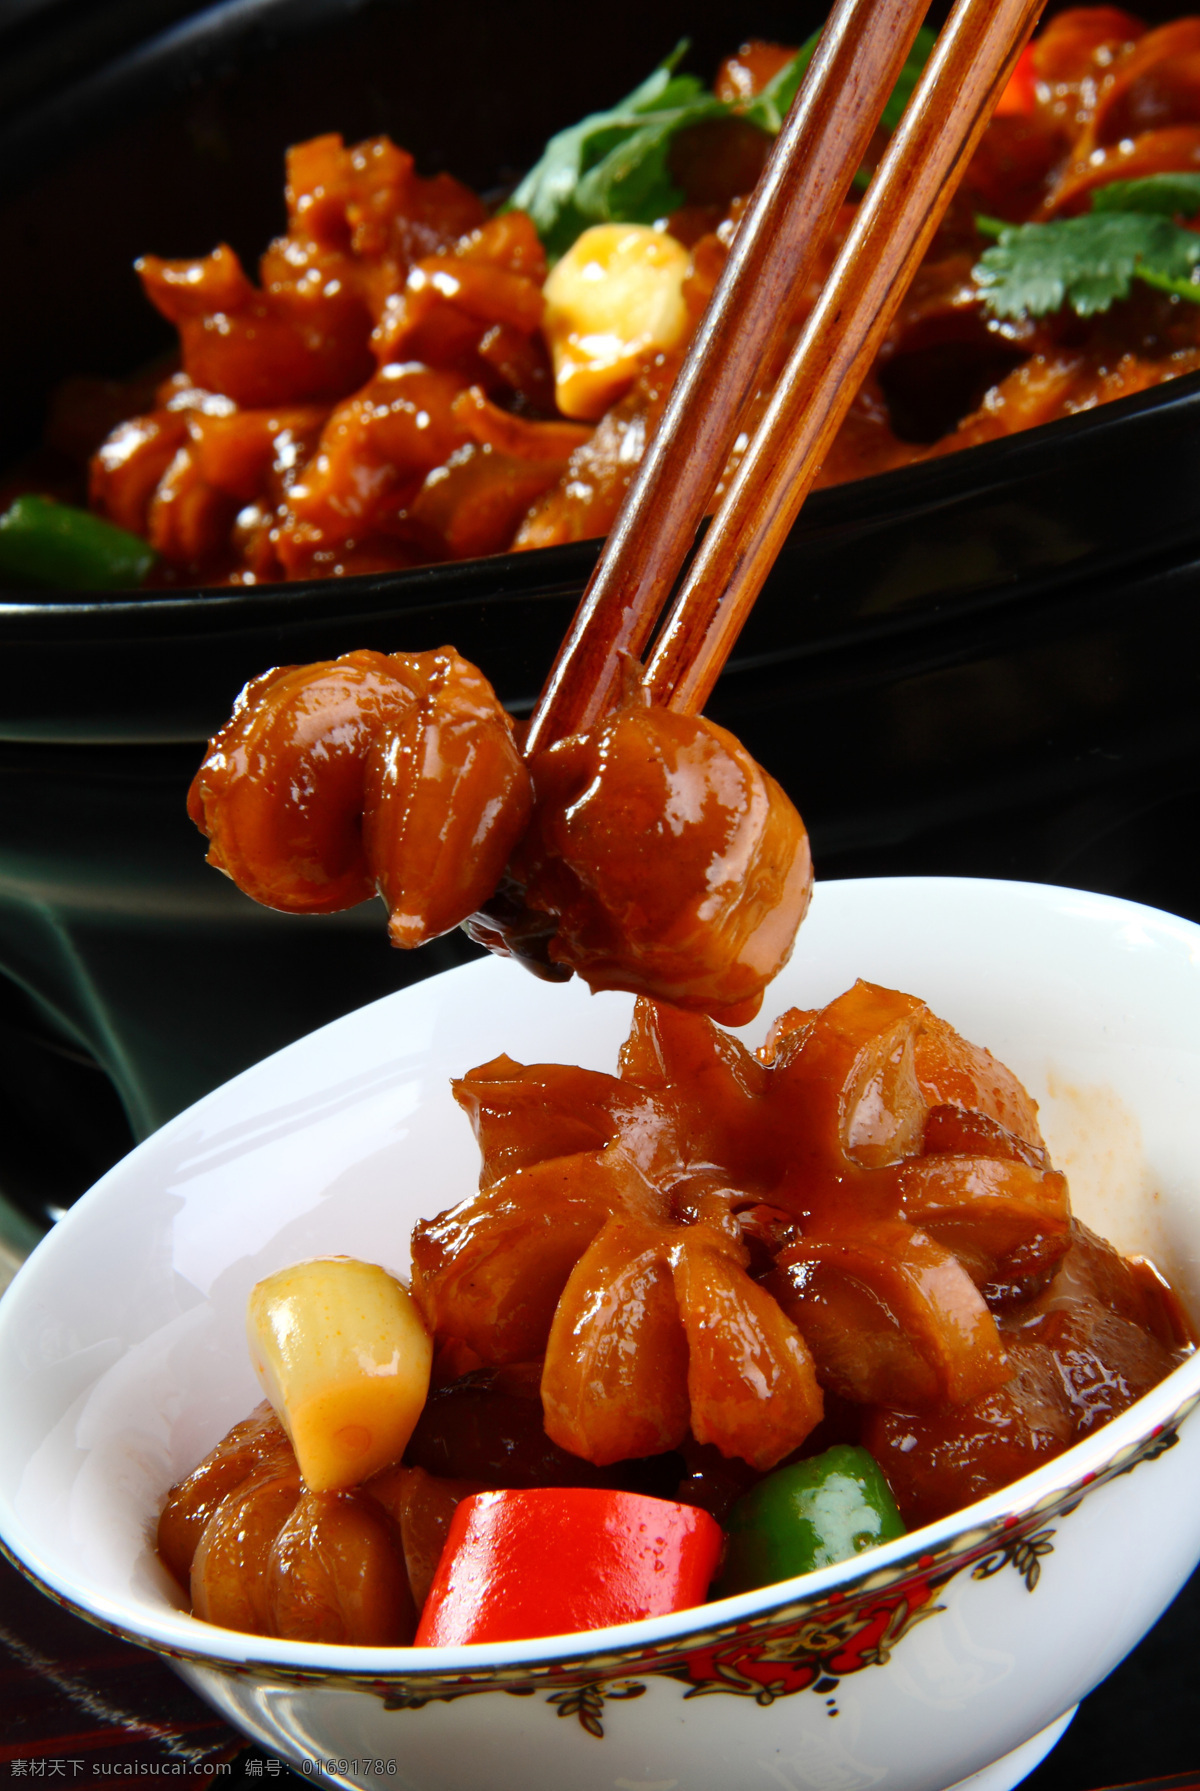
{"x": 396, "y": 773}
{"x": 889, "y": 1214}
{"x": 258, "y": 1552}
{"x": 669, "y": 861}
{"x": 858, "y": 1228}
{"x": 1096, "y": 1339}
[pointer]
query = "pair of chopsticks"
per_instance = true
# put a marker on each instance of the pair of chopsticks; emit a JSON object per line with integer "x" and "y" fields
{"x": 806, "y": 179}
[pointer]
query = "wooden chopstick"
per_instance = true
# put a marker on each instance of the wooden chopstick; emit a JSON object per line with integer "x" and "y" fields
{"x": 862, "y": 50}
{"x": 894, "y": 226}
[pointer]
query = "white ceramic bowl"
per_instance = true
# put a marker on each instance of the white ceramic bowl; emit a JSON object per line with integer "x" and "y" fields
{"x": 122, "y": 1360}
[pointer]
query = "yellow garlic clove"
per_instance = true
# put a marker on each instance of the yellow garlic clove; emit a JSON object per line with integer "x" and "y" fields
{"x": 343, "y": 1355}
{"x": 614, "y": 299}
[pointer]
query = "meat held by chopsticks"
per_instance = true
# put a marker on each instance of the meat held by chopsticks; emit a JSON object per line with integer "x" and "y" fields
{"x": 390, "y": 772}
{"x": 671, "y": 862}
{"x": 653, "y": 855}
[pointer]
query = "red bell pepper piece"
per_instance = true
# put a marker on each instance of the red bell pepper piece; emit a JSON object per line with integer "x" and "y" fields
{"x": 553, "y": 1560}
{"x": 1020, "y": 96}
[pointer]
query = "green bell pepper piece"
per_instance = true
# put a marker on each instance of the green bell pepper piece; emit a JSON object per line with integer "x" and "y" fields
{"x": 807, "y": 1516}
{"x": 53, "y": 544}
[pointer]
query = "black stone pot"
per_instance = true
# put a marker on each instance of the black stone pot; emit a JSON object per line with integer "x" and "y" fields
{"x": 985, "y": 665}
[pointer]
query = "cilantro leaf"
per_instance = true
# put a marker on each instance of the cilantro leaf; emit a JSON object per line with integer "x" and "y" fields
{"x": 769, "y": 108}
{"x": 611, "y": 167}
{"x": 1089, "y": 262}
{"x": 1168, "y": 195}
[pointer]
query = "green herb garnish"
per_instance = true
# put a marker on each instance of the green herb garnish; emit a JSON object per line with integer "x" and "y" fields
{"x": 769, "y": 108}
{"x": 611, "y": 167}
{"x": 1089, "y": 262}
{"x": 44, "y": 543}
